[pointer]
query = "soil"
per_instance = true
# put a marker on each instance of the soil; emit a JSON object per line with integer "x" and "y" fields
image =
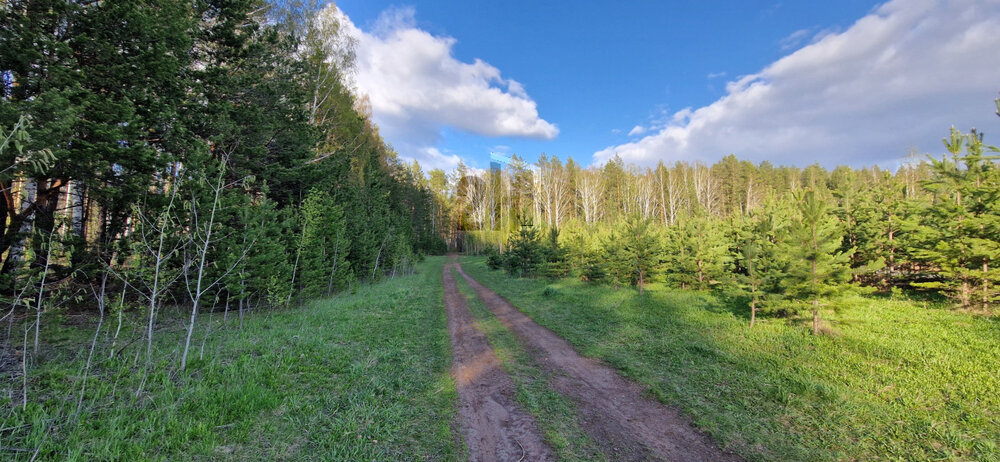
{"x": 494, "y": 426}
{"x": 614, "y": 411}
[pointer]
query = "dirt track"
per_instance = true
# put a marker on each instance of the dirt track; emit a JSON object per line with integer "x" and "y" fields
{"x": 613, "y": 410}
{"x": 494, "y": 426}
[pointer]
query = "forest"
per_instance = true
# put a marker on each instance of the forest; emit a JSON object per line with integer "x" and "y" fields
{"x": 789, "y": 239}
{"x": 202, "y": 221}
{"x": 199, "y": 153}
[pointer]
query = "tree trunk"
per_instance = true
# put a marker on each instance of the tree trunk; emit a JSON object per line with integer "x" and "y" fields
{"x": 101, "y": 302}
{"x": 986, "y": 286}
{"x": 76, "y": 195}
{"x": 333, "y": 271}
{"x": 965, "y": 297}
{"x": 816, "y": 316}
{"x": 41, "y": 292}
{"x": 200, "y": 289}
{"x": 46, "y": 201}
{"x": 121, "y": 308}
{"x": 15, "y": 239}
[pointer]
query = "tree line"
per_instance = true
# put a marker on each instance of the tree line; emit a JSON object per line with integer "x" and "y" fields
{"x": 203, "y": 153}
{"x": 789, "y": 239}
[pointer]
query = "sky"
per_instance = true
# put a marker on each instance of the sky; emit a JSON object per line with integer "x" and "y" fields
{"x": 849, "y": 82}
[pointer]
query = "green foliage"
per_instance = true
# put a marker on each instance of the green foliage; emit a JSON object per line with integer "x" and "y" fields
{"x": 525, "y": 252}
{"x": 758, "y": 272}
{"x": 698, "y": 253}
{"x": 959, "y": 232}
{"x": 322, "y": 247}
{"x": 379, "y": 358}
{"x": 555, "y": 264}
{"x": 817, "y": 269}
{"x": 139, "y": 100}
{"x": 900, "y": 380}
{"x": 633, "y": 252}
{"x": 494, "y": 259}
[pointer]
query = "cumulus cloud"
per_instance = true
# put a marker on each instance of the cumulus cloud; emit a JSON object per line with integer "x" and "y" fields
{"x": 637, "y": 130}
{"x": 417, "y": 88}
{"x": 898, "y": 77}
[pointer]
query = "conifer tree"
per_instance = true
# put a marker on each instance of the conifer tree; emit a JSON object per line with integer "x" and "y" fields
{"x": 640, "y": 249}
{"x": 524, "y": 253}
{"x": 699, "y": 253}
{"x": 959, "y": 231}
{"x": 817, "y": 269}
{"x": 756, "y": 267}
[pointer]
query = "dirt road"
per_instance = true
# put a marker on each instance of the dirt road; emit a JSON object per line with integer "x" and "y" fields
{"x": 494, "y": 426}
{"x": 612, "y": 410}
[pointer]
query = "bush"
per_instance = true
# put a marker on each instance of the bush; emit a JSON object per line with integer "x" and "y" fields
{"x": 494, "y": 260}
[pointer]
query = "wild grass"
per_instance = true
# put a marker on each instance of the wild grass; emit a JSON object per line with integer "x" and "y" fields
{"x": 892, "y": 380}
{"x": 359, "y": 376}
{"x": 555, "y": 414}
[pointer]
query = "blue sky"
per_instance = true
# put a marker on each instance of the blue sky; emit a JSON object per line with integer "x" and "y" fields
{"x": 846, "y": 82}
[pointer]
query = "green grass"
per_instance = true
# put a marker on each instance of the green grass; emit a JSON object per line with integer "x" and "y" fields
{"x": 360, "y": 376}
{"x": 895, "y": 381}
{"x": 555, "y": 414}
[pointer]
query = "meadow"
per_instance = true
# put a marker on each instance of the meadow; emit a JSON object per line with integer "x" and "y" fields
{"x": 893, "y": 379}
{"x": 362, "y": 376}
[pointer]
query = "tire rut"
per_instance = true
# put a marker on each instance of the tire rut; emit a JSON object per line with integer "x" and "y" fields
{"x": 613, "y": 410}
{"x": 495, "y": 428}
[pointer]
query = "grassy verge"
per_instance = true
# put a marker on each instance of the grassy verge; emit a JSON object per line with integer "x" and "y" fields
{"x": 357, "y": 377}
{"x": 556, "y": 414}
{"x": 895, "y": 381}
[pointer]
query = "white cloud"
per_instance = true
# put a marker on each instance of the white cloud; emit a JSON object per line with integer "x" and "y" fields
{"x": 898, "y": 77}
{"x": 431, "y": 158}
{"x": 417, "y": 88}
{"x": 795, "y": 39}
{"x": 637, "y": 130}
{"x": 715, "y": 75}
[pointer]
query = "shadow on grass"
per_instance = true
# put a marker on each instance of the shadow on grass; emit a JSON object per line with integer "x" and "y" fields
{"x": 777, "y": 392}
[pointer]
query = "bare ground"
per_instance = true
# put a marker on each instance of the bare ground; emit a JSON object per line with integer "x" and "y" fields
{"x": 494, "y": 427}
{"x": 613, "y": 410}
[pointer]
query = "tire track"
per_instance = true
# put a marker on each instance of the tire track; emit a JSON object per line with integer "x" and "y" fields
{"x": 495, "y": 428}
{"x": 613, "y": 410}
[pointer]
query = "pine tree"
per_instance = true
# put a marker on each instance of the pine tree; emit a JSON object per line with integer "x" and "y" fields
{"x": 698, "y": 253}
{"x": 756, "y": 266}
{"x": 640, "y": 249}
{"x": 525, "y": 252}
{"x": 817, "y": 269}
{"x": 959, "y": 232}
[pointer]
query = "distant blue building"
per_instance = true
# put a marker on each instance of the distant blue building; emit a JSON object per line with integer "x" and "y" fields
{"x": 499, "y": 161}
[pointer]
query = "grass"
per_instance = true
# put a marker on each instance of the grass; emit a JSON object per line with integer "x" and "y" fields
{"x": 361, "y": 376}
{"x": 895, "y": 381}
{"x": 555, "y": 414}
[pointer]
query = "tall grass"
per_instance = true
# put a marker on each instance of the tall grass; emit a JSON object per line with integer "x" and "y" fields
{"x": 359, "y": 376}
